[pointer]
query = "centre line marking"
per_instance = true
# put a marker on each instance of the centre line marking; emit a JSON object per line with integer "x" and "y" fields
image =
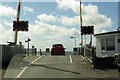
{"x": 70, "y": 59}
{"x": 27, "y": 67}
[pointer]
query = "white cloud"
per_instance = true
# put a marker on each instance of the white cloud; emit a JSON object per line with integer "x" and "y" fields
{"x": 71, "y": 4}
{"x": 52, "y": 31}
{"x": 7, "y": 23}
{"x": 91, "y": 9}
{"x": 90, "y": 14}
{"x": 7, "y": 14}
{"x": 67, "y": 21}
{"x": 7, "y": 11}
{"x": 7, "y": 34}
{"x": 46, "y": 18}
{"x": 103, "y": 31}
{"x": 43, "y": 34}
{"x": 28, "y": 9}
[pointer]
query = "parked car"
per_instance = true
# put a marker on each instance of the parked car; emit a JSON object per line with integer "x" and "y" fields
{"x": 57, "y": 49}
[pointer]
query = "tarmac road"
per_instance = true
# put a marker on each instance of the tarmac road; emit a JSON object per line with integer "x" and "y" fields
{"x": 56, "y": 67}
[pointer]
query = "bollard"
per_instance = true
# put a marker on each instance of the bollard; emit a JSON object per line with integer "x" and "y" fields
{"x": 40, "y": 52}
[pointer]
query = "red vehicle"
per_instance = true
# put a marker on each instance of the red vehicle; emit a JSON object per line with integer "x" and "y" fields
{"x": 58, "y": 49}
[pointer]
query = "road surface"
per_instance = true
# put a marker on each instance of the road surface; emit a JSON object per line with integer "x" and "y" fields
{"x": 56, "y": 67}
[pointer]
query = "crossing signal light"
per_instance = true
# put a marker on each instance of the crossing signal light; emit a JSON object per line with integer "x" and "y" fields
{"x": 87, "y": 30}
{"x": 20, "y": 25}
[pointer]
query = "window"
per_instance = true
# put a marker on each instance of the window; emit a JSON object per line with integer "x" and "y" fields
{"x": 103, "y": 44}
{"x": 118, "y": 40}
{"x": 110, "y": 43}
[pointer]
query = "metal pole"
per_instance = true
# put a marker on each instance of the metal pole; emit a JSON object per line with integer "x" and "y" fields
{"x": 18, "y": 16}
{"x": 81, "y": 26}
{"x": 84, "y": 46}
{"x": 28, "y": 46}
{"x": 75, "y": 45}
{"x": 91, "y": 40}
{"x": 75, "y": 42}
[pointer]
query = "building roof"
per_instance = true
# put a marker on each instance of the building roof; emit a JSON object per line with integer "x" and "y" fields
{"x": 118, "y": 29}
{"x": 112, "y": 32}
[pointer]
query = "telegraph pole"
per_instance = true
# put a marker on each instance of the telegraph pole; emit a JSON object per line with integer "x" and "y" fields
{"x": 18, "y": 16}
{"x": 81, "y": 27}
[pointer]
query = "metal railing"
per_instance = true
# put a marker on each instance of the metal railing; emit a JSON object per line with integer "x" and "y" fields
{"x": 32, "y": 51}
{"x": 89, "y": 52}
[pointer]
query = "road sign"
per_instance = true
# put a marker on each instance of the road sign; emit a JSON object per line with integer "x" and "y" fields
{"x": 87, "y": 30}
{"x": 20, "y": 25}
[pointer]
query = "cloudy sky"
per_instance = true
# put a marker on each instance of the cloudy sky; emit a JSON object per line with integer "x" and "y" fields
{"x": 55, "y": 22}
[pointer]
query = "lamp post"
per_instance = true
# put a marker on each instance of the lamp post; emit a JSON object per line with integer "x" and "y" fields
{"x": 75, "y": 40}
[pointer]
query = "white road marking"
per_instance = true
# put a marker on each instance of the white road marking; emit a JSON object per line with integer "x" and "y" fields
{"x": 24, "y": 58}
{"x": 27, "y": 67}
{"x": 22, "y": 72}
{"x": 36, "y": 59}
{"x": 70, "y": 59}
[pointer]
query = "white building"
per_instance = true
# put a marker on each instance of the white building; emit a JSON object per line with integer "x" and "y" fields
{"x": 107, "y": 44}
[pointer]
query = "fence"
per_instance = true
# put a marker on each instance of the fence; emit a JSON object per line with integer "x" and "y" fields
{"x": 8, "y": 51}
{"x": 32, "y": 51}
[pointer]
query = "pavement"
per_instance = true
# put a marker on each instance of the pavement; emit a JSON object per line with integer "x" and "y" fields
{"x": 72, "y": 67}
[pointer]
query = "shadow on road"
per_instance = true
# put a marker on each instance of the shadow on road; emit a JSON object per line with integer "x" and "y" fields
{"x": 106, "y": 67}
{"x": 41, "y": 65}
